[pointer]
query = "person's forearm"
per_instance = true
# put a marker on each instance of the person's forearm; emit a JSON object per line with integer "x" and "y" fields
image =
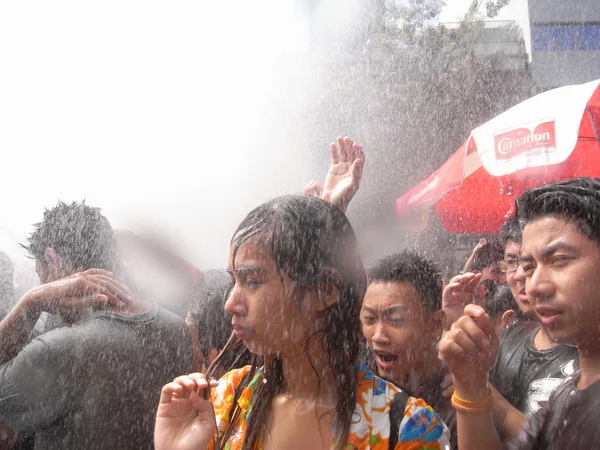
{"x": 16, "y": 328}
{"x": 508, "y": 419}
{"x": 476, "y": 430}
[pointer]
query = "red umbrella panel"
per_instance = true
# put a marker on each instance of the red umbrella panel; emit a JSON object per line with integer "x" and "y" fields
{"x": 529, "y": 145}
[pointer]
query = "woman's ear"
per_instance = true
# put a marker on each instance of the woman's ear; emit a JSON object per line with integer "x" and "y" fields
{"x": 509, "y": 318}
{"x": 327, "y": 295}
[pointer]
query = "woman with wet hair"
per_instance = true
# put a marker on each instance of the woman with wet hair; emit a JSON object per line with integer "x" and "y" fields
{"x": 298, "y": 288}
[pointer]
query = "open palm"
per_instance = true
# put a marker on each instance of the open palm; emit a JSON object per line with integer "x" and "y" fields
{"x": 344, "y": 175}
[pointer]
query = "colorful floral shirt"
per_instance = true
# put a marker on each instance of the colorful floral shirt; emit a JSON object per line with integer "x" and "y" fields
{"x": 421, "y": 428}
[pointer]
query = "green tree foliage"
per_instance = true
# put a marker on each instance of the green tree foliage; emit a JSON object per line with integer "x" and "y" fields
{"x": 414, "y": 90}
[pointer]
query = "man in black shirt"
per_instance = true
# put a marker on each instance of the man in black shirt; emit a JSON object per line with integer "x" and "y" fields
{"x": 560, "y": 257}
{"x": 530, "y": 363}
{"x": 95, "y": 382}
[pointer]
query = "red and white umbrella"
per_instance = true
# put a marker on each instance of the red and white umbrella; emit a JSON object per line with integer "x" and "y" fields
{"x": 551, "y": 137}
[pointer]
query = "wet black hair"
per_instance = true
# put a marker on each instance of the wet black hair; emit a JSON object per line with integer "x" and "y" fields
{"x": 214, "y": 323}
{"x": 510, "y": 231}
{"x": 410, "y": 267}
{"x": 486, "y": 255}
{"x": 312, "y": 243}
{"x": 78, "y": 233}
{"x": 499, "y": 299}
{"x": 576, "y": 201}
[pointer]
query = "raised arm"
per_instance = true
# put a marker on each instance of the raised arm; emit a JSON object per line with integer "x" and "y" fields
{"x": 462, "y": 290}
{"x": 469, "y": 349}
{"x": 469, "y": 263}
{"x": 93, "y": 288}
{"x": 344, "y": 175}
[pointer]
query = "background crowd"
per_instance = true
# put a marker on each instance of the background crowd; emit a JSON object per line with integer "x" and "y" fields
{"x": 311, "y": 349}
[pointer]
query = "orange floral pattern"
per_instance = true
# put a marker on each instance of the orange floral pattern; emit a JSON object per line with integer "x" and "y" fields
{"x": 421, "y": 428}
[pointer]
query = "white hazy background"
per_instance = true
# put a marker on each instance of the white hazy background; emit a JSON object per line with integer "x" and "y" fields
{"x": 149, "y": 110}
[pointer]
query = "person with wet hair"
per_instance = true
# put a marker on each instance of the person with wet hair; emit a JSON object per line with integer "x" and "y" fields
{"x": 211, "y": 326}
{"x": 92, "y": 383}
{"x": 402, "y": 320}
{"x": 298, "y": 288}
{"x": 560, "y": 259}
{"x": 485, "y": 261}
{"x": 500, "y": 306}
{"x": 530, "y": 364}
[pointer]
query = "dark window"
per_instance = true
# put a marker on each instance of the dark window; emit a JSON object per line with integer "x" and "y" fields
{"x": 564, "y": 37}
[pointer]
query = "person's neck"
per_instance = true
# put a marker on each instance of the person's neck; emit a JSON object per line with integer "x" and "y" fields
{"x": 421, "y": 372}
{"x": 589, "y": 364}
{"x": 309, "y": 378}
{"x": 543, "y": 341}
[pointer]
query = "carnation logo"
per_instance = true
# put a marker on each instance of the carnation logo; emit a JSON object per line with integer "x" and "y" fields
{"x": 423, "y": 191}
{"x": 540, "y": 137}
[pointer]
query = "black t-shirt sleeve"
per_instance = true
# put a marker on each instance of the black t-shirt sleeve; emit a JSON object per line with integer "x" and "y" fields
{"x": 43, "y": 382}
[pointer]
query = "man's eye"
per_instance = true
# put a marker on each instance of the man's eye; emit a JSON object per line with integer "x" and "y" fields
{"x": 528, "y": 269}
{"x": 397, "y": 321}
{"x": 369, "y": 319}
{"x": 560, "y": 259}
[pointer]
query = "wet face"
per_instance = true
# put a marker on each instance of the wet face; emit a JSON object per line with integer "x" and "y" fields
{"x": 562, "y": 269}
{"x": 493, "y": 272}
{"x": 516, "y": 279}
{"x": 269, "y": 314}
{"x": 396, "y": 328}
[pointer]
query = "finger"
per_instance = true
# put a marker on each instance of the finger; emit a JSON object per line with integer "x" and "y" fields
{"x": 169, "y": 391}
{"x": 479, "y": 297}
{"x": 473, "y": 283}
{"x": 459, "y": 336}
{"x": 334, "y": 154}
{"x": 200, "y": 403}
{"x": 343, "y": 152}
{"x": 313, "y": 189}
{"x": 482, "y": 320}
{"x": 450, "y": 351}
{"x": 88, "y": 301}
{"x": 106, "y": 273}
{"x": 187, "y": 383}
{"x": 357, "y": 170}
{"x": 349, "y": 145}
{"x": 360, "y": 154}
{"x": 473, "y": 331}
{"x": 447, "y": 381}
{"x": 447, "y": 393}
{"x": 111, "y": 288}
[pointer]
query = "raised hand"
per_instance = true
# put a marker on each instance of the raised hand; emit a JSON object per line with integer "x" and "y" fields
{"x": 459, "y": 292}
{"x": 185, "y": 420}
{"x": 94, "y": 288}
{"x": 470, "y": 347}
{"x": 344, "y": 175}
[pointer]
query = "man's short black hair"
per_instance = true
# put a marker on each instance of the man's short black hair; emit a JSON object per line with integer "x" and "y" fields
{"x": 419, "y": 272}
{"x": 78, "y": 233}
{"x": 486, "y": 255}
{"x": 576, "y": 201}
{"x": 499, "y": 299}
{"x": 510, "y": 231}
